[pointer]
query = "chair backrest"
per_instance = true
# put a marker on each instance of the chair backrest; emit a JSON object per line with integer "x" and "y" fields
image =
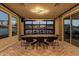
{"x": 40, "y": 39}
{"x": 50, "y": 39}
{"x": 29, "y": 39}
{"x": 21, "y": 38}
{"x": 55, "y": 38}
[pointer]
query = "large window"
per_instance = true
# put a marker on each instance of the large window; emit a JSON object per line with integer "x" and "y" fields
{"x": 71, "y": 29}
{"x": 75, "y": 29}
{"x": 67, "y": 29}
{"x": 4, "y": 30}
{"x": 39, "y": 27}
{"x": 14, "y": 26}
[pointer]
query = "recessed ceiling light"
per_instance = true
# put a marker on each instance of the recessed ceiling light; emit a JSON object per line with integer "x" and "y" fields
{"x": 39, "y": 10}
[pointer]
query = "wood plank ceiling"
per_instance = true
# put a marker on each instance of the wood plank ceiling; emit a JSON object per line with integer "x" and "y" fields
{"x": 23, "y": 9}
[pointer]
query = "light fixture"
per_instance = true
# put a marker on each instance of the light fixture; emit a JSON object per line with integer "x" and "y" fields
{"x": 39, "y": 10}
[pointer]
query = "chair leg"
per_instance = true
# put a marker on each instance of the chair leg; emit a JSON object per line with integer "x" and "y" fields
{"x": 43, "y": 46}
{"x": 37, "y": 46}
{"x": 23, "y": 44}
{"x": 51, "y": 44}
{"x": 26, "y": 46}
{"x": 33, "y": 44}
{"x": 55, "y": 44}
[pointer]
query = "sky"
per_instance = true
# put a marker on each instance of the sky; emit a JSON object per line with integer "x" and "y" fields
{"x": 39, "y": 22}
{"x": 74, "y": 22}
{"x": 4, "y": 16}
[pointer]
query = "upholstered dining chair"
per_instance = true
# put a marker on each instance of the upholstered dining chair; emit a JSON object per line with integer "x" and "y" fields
{"x": 56, "y": 40}
{"x": 22, "y": 40}
{"x": 42, "y": 42}
{"x": 50, "y": 40}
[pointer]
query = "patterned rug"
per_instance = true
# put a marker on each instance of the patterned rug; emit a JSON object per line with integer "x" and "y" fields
{"x": 63, "y": 49}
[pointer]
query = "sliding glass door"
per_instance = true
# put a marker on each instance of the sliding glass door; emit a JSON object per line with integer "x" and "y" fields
{"x": 71, "y": 29}
{"x": 75, "y": 29}
{"x": 67, "y": 29}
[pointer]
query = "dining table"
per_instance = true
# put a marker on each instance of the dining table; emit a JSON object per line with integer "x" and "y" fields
{"x": 39, "y": 38}
{"x": 40, "y": 35}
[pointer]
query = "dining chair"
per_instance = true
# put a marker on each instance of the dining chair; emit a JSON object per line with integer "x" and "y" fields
{"x": 22, "y": 40}
{"x": 34, "y": 44}
{"x": 29, "y": 40}
{"x": 56, "y": 40}
{"x": 50, "y": 40}
{"x": 42, "y": 42}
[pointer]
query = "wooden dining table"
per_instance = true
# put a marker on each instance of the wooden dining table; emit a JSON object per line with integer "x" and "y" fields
{"x": 39, "y": 35}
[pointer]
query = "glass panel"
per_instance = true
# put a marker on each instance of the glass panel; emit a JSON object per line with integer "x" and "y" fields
{"x": 42, "y": 22}
{"x": 35, "y": 31}
{"x": 28, "y": 26}
{"x": 43, "y": 31}
{"x": 35, "y": 26}
{"x": 35, "y": 22}
{"x": 28, "y": 22}
{"x": 67, "y": 29}
{"x": 4, "y": 31}
{"x": 75, "y": 29}
{"x": 28, "y": 31}
{"x": 50, "y": 27}
{"x": 14, "y": 26}
{"x": 42, "y": 26}
{"x": 50, "y": 32}
{"x": 49, "y": 22}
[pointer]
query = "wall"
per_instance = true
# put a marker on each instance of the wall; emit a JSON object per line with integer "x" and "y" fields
{"x": 57, "y": 26}
{"x": 22, "y": 28}
{"x": 8, "y": 41}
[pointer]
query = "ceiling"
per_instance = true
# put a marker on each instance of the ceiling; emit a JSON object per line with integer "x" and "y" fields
{"x": 55, "y": 9}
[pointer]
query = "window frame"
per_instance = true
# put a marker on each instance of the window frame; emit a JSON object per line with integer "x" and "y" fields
{"x": 16, "y": 24}
{"x": 53, "y": 25}
{"x": 7, "y": 23}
